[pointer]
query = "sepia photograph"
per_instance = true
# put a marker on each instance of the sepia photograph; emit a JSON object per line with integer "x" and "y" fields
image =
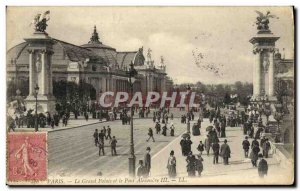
{"x": 150, "y": 95}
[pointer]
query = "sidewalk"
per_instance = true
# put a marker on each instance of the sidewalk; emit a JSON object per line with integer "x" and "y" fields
{"x": 72, "y": 123}
{"x": 239, "y": 170}
{"x": 80, "y": 122}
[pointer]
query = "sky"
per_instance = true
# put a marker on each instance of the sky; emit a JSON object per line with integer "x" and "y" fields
{"x": 219, "y": 34}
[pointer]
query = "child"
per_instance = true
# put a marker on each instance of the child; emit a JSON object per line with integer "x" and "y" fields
{"x": 140, "y": 169}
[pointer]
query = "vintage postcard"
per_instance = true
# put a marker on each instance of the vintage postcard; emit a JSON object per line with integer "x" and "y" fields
{"x": 157, "y": 96}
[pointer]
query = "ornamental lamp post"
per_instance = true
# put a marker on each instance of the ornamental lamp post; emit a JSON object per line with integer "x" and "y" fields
{"x": 36, "y": 91}
{"x": 278, "y": 117}
{"x": 132, "y": 73}
{"x": 188, "y": 127}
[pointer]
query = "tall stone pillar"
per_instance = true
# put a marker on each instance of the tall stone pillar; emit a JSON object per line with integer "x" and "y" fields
{"x": 263, "y": 45}
{"x": 31, "y": 73}
{"x": 257, "y": 73}
{"x": 40, "y": 72}
{"x": 271, "y": 74}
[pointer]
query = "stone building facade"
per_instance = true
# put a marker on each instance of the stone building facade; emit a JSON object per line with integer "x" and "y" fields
{"x": 95, "y": 63}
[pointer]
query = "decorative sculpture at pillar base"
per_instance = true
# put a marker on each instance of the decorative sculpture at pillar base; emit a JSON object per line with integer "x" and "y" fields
{"x": 44, "y": 103}
{"x": 40, "y": 72}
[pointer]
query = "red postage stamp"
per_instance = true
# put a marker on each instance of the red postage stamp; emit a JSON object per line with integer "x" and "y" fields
{"x": 27, "y": 156}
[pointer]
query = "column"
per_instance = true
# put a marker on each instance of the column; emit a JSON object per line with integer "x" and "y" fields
{"x": 257, "y": 74}
{"x": 271, "y": 74}
{"x": 31, "y": 73}
{"x": 50, "y": 72}
{"x": 42, "y": 74}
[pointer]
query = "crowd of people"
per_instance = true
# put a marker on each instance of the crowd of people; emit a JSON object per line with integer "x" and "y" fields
{"x": 219, "y": 121}
{"x": 99, "y": 140}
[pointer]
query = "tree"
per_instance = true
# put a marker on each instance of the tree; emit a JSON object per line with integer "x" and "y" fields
{"x": 227, "y": 98}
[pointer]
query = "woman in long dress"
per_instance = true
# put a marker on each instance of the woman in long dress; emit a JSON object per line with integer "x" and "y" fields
{"x": 171, "y": 165}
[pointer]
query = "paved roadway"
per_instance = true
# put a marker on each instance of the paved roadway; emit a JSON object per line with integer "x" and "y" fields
{"x": 72, "y": 152}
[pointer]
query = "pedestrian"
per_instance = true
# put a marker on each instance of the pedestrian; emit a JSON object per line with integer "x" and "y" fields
{"x": 225, "y": 152}
{"x": 200, "y": 147}
{"x": 86, "y": 115}
{"x": 141, "y": 169}
{"x": 266, "y": 147}
{"x": 254, "y": 143}
{"x": 216, "y": 149}
{"x": 171, "y": 166}
{"x": 95, "y": 135}
{"x": 147, "y": 161}
{"x": 251, "y": 131}
{"x": 262, "y": 166}
{"x": 254, "y": 155}
{"x": 245, "y": 128}
{"x": 183, "y": 146}
{"x": 172, "y": 130}
{"x": 164, "y": 130}
{"x": 188, "y": 144}
{"x": 246, "y": 145}
{"x": 52, "y": 123}
{"x": 108, "y": 133}
{"x": 101, "y": 136}
{"x": 223, "y": 129}
{"x": 101, "y": 148}
{"x": 104, "y": 131}
{"x": 262, "y": 141}
{"x": 207, "y": 144}
{"x": 191, "y": 164}
{"x": 150, "y": 133}
{"x": 113, "y": 145}
{"x": 157, "y": 127}
{"x": 199, "y": 164}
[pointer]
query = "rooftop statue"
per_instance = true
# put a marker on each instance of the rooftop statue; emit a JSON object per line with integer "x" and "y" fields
{"x": 262, "y": 21}
{"x": 40, "y": 21}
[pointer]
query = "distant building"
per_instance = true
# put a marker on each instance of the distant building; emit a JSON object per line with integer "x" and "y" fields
{"x": 285, "y": 76}
{"x": 95, "y": 63}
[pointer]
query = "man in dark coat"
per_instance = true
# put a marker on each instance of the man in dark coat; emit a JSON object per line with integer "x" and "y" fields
{"x": 225, "y": 152}
{"x": 113, "y": 145}
{"x": 183, "y": 146}
{"x": 101, "y": 148}
{"x": 266, "y": 147}
{"x": 101, "y": 136}
{"x": 108, "y": 133}
{"x": 191, "y": 164}
{"x": 150, "y": 133}
{"x": 254, "y": 143}
{"x": 254, "y": 155}
{"x": 262, "y": 166}
{"x": 223, "y": 129}
{"x": 95, "y": 135}
{"x": 262, "y": 141}
{"x": 246, "y": 145}
{"x": 157, "y": 128}
{"x": 147, "y": 162}
{"x": 207, "y": 144}
{"x": 245, "y": 128}
{"x": 188, "y": 145}
{"x": 104, "y": 131}
{"x": 216, "y": 149}
{"x": 164, "y": 130}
